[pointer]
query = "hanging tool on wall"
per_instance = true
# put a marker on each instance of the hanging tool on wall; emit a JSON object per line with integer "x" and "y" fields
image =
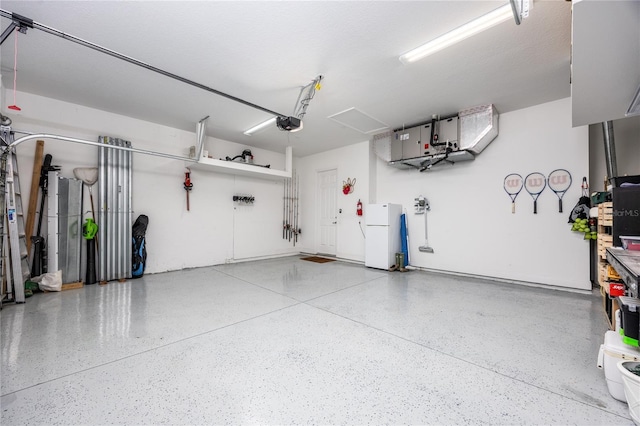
{"x": 244, "y": 199}
{"x": 296, "y": 229}
{"x": 88, "y": 176}
{"x": 89, "y": 232}
{"x": 38, "y": 243}
{"x": 284, "y": 209}
{"x": 290, "y": 211}
{"x": 422, "y": 206}
{"x": 20, "y": 29}
{"x": 188, "y": 186}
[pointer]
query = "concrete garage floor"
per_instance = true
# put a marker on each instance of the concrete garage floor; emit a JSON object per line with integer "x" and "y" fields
{"x": 286, "y": 341}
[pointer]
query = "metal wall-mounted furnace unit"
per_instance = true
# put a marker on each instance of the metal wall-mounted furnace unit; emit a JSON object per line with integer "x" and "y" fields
{"x": 478, "y": 127}
{"x": 441, "y": 141}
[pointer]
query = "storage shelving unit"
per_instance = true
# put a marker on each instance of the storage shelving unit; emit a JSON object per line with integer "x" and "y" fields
{"x": 245, "y": 169}
{"x": 605, "y": 239}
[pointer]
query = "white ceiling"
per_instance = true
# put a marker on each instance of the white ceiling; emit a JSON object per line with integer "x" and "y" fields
{"x": 263, "y": 52}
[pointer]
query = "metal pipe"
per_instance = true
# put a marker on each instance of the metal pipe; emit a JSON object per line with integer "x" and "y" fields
{"x": 125, "y": 237}
{"x": 129, "y": 218}
{"x": 100, "y": 145}
{"x": 201, "y": 129}
{"x": 133, "y": 61}
{"x": 516, "y": 14}
{"x": 610, "y": 149}
{"x": 297, "y": 208}
{"x": 112, "y": 206}
{"x": 102, "y": 187}
{"x": 7, "y": 32}
{"x": 119, "y": 230}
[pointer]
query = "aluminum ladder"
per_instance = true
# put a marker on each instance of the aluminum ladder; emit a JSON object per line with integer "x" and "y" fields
{"x": 4, "y": 249}
{"x": 14, "y": 257}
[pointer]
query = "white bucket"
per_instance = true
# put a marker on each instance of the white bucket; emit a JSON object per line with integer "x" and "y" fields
{"x": 631, "y": 388}
{"x": 612, "y": 351}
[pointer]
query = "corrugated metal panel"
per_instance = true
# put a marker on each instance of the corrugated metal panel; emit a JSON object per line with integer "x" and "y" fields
{"x": 114, "y": 211}
{"x": 64, "y": 226}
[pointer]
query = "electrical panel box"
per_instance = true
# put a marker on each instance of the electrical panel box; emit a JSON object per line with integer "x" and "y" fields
{"x": 425, "y": 145}
{"x": 428, "y": 148}
{"x": 447, "y": 130}
{"x": 415, "y": 142}
{"x": 396, "y": 148}
{"x": 409, "y": 140}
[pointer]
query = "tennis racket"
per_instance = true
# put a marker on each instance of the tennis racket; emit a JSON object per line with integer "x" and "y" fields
{"x": 535, "y": 183}
{"x": 513, "y": 186}
{"x": 559, "y": 182}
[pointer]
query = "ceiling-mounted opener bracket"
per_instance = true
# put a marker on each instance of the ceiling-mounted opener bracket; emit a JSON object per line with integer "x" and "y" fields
{"x": 20, "y": 22}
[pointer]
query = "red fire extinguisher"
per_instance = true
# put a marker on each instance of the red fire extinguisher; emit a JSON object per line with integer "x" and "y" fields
{"x": 359, "y": 208}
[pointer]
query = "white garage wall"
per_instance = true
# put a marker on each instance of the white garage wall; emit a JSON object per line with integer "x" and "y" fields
{"x": 350, "y": 162}
{"x": 216, "y": 230}
{"x": 471, "y": 227}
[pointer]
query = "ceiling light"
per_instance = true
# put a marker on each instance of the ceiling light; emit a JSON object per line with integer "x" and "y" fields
{"x": 260, "y": 126}
{"x": 634, "y": 107}
{"x": 476, "y": 26}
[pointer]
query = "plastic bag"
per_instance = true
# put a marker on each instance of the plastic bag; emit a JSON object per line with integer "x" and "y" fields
{"x": 51, "y": 281}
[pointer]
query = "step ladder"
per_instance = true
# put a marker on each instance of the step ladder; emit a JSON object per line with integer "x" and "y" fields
{"x": 4, "y": 248}
{"x": 15, "y": 259}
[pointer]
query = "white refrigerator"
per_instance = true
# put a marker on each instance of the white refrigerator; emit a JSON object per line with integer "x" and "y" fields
{"x": 383, "y": 235}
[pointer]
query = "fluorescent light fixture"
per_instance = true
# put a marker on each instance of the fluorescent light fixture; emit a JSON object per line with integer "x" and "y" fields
{"x": 467, "y": 30}
{"x": 634, "y": 107}
{"x": 260, "y": 126}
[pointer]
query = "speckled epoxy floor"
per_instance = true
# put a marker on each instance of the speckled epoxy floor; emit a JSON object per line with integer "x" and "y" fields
{"x": 285, "y": 341}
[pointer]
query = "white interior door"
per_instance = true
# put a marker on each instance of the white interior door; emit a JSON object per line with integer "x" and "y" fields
{"x": 327, "y": 193}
